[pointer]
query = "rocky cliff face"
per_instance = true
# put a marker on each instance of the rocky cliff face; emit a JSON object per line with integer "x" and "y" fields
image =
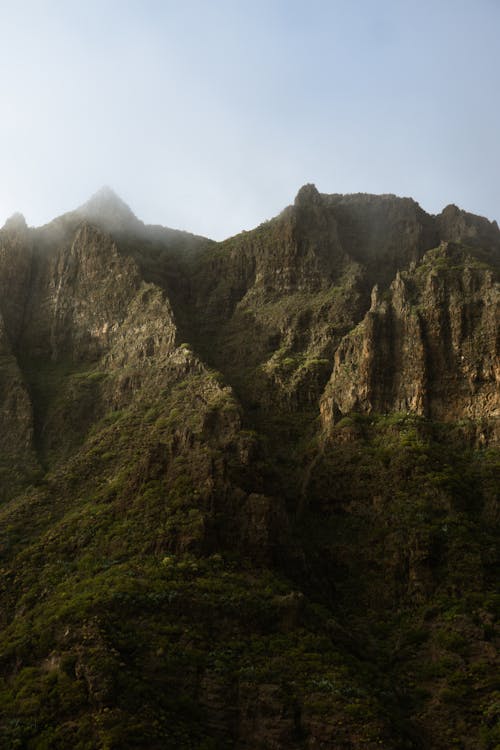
{"x": 406, "y": 312}
{"x": 18, "y": 459}
{"x": 248, "y": 490}
{"x": 429, "y": 346}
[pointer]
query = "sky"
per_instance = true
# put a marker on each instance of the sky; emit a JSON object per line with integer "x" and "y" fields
{"x": 208, "y": 115}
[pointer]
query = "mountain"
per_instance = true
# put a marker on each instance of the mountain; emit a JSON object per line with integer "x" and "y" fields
{"x": 249, "y": 489}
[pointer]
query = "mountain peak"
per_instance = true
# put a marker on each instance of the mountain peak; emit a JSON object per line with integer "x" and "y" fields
{"x": 16, "y": 222}
{"x": 105, "y": 207}
{"x": 308, "y": 195}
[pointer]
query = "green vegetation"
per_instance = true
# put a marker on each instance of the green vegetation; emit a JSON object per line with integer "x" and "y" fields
{"x": 123, "y": 602}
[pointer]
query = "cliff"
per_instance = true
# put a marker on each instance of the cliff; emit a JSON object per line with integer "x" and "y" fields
{"x": 428, "y": 345}
{"x": 248, "y": 489}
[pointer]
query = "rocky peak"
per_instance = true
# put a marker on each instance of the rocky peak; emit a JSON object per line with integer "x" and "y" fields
{"x": 456, "y": 225}
{"x": 108, "y": 210}
{"x": 308, "y": 195}
{"x": 16, "y": 223}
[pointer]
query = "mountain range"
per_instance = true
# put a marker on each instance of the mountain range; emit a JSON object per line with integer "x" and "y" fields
{"x": 249, "y": 489}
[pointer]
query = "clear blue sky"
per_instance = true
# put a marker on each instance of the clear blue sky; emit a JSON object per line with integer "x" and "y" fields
{"x": 209, "y": 115}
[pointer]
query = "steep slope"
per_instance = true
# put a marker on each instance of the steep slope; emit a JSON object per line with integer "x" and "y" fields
{"x": 249, "y": 489}
{"x": 429, "y": 345}
{"x": 277, "y": 301}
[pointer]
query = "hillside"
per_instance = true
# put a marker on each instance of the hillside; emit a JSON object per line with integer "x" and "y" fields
{"x": 249, "y": 489}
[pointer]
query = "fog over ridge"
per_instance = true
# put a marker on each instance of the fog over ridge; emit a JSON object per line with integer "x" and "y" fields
{"x": 208, "y": 117}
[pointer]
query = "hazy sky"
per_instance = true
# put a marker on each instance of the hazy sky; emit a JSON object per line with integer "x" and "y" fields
{"x": 209, "y": 115}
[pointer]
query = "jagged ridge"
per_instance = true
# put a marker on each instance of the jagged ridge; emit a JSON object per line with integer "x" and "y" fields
{"x": 190, "y": 557}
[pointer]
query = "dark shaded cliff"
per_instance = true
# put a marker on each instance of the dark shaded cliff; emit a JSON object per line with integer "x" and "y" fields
{"x": 248, "y": 490}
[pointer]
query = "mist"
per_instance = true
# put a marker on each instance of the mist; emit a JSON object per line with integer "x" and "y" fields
{"x": 209, "y": 116}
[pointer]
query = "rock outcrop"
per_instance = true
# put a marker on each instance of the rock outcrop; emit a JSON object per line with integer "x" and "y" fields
{"x": 429, "y": 345}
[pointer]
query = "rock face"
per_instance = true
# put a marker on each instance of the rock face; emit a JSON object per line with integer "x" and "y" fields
{"x": 249, "y": 489}
{"x": 406, "y": 311}
{"x": 17, "y": 456}
{"x": 80, "y": 292}
{"x": 15, "y": 273}
{"x": 429, "y": 345}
